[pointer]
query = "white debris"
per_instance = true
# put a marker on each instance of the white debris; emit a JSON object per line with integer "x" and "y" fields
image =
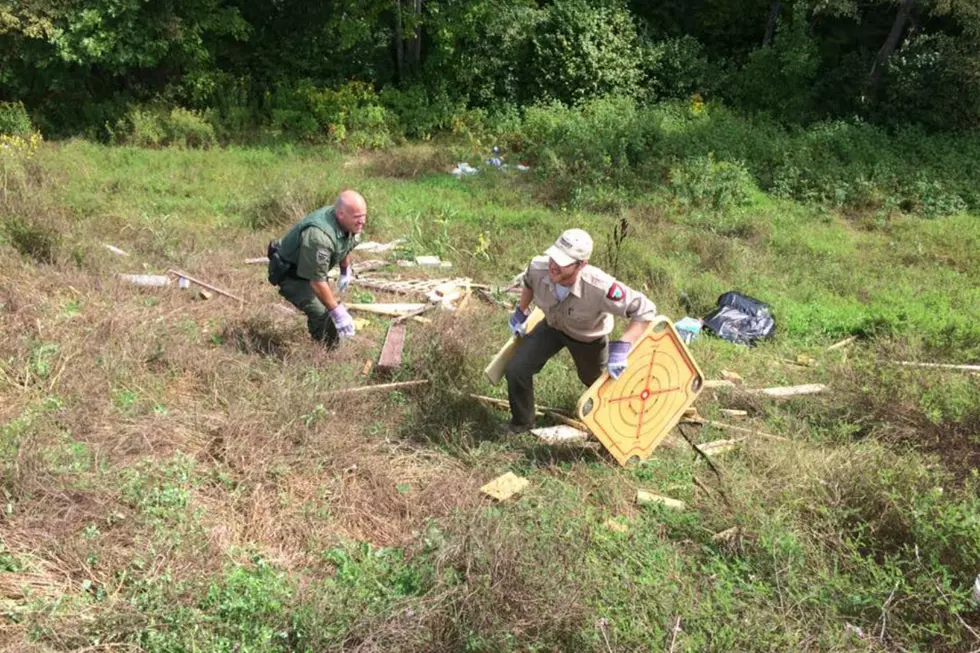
{"x": 428, "y": 260}
{"x": 463, "y": 169}
{"x": 377, "y": 248}
{"x": 146, "y": 279}
{"x": 115, "y": 250}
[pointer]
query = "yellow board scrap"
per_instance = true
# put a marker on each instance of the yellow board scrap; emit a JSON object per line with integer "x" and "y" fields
{"x": 495, "y": 370}
{"x": 631, "y": 415}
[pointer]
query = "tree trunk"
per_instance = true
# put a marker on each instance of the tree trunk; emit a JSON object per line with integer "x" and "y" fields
{"x": 891, "y": 43}
{"x": 417, "y": 43}
{"x": 774, "y": 7}
{"x": 399, "y": 41}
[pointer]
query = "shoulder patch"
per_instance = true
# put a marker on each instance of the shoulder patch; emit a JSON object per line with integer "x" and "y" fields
{"x": 323, "y": 256}
{"x": 616, "y": 292}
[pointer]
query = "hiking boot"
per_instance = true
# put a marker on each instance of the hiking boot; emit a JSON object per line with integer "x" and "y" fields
{"x": 513, "y": 429}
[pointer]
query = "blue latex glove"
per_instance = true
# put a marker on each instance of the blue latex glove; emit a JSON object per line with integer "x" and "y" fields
{"x": 518, "y": 324}
{"x": 618, "y": 350}
{"x": 346, "y": 274}
{"x": 343, "y": 321}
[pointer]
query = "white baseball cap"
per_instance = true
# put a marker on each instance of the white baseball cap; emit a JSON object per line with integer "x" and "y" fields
{"x": 572, "y": 246}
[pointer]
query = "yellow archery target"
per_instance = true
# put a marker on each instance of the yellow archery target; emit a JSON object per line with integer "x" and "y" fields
{"x": 632, "y": 414}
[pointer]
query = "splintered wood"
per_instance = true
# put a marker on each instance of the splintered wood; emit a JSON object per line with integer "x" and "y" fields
{"x": 505, "y": 487}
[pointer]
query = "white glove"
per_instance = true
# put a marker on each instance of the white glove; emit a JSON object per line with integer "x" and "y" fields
{"x": 346, "y": 274}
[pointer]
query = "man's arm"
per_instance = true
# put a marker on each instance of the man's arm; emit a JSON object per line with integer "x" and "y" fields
{"x": 322, "y": 291}
{"x": 634, "y": 331}
{"x": 345, "y": 263}
{"x": 527, "y": 295}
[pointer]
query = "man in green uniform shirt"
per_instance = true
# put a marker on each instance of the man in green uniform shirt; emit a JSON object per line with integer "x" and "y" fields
{"x": 299, "y": 264}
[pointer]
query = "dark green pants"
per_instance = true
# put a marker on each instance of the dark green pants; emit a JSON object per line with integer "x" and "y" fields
{"x": 536, "y": 349}
{"x": 299, "y": 293}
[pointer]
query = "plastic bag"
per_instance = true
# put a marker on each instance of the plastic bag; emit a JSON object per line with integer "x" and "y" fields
{"x": 741, "y": 319}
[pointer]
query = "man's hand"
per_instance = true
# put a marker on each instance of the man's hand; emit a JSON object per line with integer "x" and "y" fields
{"x": 618, "y": 351}
{"x": 518, "y": 322}
{"x": 343, "y": 321}
{"x": 346, "y": 274}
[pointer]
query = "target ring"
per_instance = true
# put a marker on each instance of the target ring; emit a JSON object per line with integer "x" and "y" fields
{"x": 632, "y": 414}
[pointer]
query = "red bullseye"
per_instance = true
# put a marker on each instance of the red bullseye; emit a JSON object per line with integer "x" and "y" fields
{"x": 645, "y": 395}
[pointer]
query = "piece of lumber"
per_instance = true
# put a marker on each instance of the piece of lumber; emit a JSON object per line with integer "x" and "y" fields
{"x": 115, "y": 250}
{"x": 843, "y": 343}
{"x": 719, "y": 447}
{"x": 506, "y": 486}
{"x": 560, "y": 434}
{"x": 718, "y": 383}
{"x": 731, "y": 412}
{"x": 377, "y": 388}
{"x": 415, "y": 313}
{"x": 942, "y": 366}
{"x": 203, "y": 284}
{"x": 257, "y": 260}
{"x": 644, "y": 497}
{"x": 791, "y": 390}
{"x": 368, "y": 364}
{"x": 395, "y": 310}
{"x": 391, "y": 352}
{"x": 734, "y": 377}
{"x": 495, "y": 369}
{"x": 146, "y": 279}
{"x": 738, "y": 429}
{"x": 726, "y": 535}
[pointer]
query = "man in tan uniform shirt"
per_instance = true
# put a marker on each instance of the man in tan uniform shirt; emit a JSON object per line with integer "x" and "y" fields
{"x": 579, "y": 302}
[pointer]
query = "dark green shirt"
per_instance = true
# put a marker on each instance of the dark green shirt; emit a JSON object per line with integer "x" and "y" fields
{"x": 316, "y": 244}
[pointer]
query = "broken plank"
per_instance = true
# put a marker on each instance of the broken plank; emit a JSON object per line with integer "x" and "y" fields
{"x": 505, "y": 486}
{"x": 115, "y": 250}
{"x": 383, "y": 386}
{"x": 739, "y": 429}
{"x": 731, "y": 412}
{"x": 719, "y": 447}
{"x": 718, "y": 383}
{"x": 942, "y": 366}
{"x": 559, "y": 434}
{"x": 791, "y": 390}
{"x": 257, "y": 260}
{"x": 843, "y": 343}
{"x": 184, "y": 275}
{"x": 396, "y": 310}
{"x": 391, "y": 352}
{"x": 644, "y": 497}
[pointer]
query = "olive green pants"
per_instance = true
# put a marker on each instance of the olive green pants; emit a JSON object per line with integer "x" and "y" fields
{"x": 536, "y": 349}
{"x": 318, "y": 322}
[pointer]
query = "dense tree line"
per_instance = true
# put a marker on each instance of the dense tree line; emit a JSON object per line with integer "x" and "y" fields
{"x": 302, "y": 67}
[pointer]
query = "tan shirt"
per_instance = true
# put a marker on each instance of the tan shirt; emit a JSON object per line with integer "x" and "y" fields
{"x": 587, "y": 312}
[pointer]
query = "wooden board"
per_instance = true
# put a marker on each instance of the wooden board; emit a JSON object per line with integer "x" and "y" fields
{"x": 504, "y": 487}
{"x": 631, "y": 415}
{"x": 495, "y": 370}
{"x": 391, "y": 352}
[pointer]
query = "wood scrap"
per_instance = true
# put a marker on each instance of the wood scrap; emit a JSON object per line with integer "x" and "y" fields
{"x": 734, "y": 377}
{"x": 726, "y": 535}
{"x": 843, "y": 343}
{"x": 790, "y": 391}
{"x": 368, "y": 364}
{"x": 719, "y": 447}
{"x": 115, "y": 250}
{"x": 560, "y": 434}
{"x": 718, "y": 383}
{"x": 184, "y": 275}
{"x": 645, "y": 497}
{"x": 257, "y": 260}
{"x": 390, "y": 357}
{"x": 396, "y": 310}
{"x": 506, "y": 486}
{"x": 399, "y": 385}
{"x": 942, "y": 366}
{"x": 739, "y": 429}
{"x": 731, "y": 412}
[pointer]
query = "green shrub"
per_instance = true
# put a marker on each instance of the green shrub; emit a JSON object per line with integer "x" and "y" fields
{"x": 584, "y": 50}
{"x": 14, "y": 120}
{"x": 189, "y": 129}
{"x": 33, "y": 239}
{"x": 706, "y": 183}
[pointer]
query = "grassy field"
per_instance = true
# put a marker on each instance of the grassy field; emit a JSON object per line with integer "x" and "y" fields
{"x": 175, "y": 477}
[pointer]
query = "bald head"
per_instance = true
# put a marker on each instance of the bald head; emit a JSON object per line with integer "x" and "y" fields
{"x": 351, "y": 211}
